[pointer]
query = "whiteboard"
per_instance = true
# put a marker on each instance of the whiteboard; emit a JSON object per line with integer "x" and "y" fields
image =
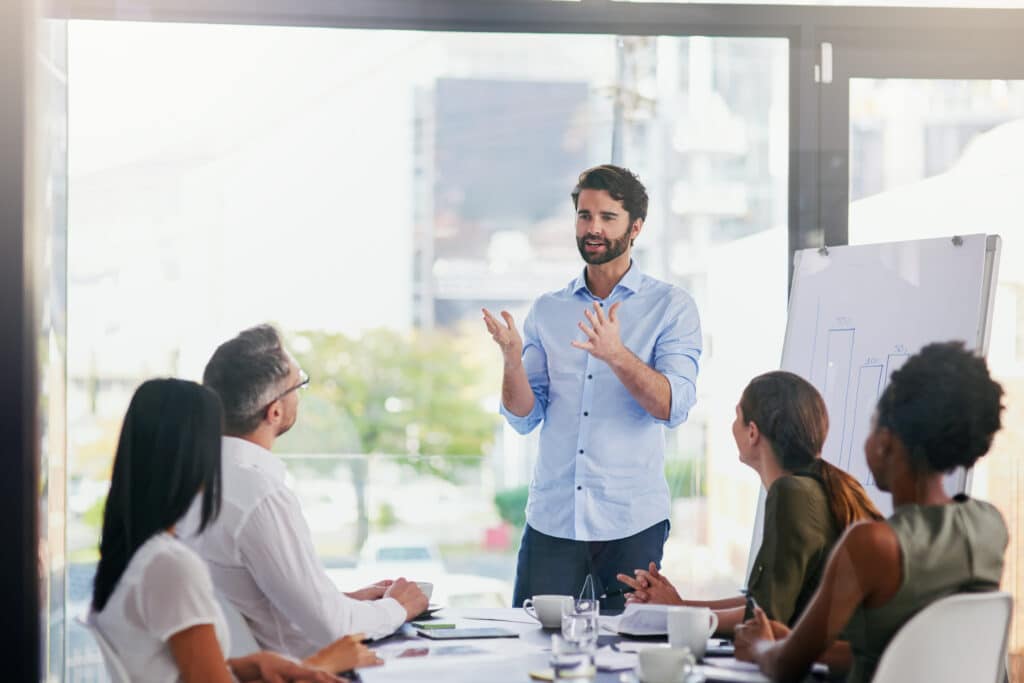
{"x": 856, "y": 313}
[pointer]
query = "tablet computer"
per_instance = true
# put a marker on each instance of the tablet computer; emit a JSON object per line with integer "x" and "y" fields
{"x": 462, "y": 633}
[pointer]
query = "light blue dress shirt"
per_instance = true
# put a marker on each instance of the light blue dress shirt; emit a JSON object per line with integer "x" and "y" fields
{"x": 600, "y": 473}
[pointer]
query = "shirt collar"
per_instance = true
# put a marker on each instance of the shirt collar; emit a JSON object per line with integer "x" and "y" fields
{"x": 247, "y": 454}
{"x": 631, "y": 280}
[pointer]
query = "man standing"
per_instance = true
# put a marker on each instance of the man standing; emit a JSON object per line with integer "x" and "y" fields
{"x": 259, "y": 549}
{"x": 604, "y": 363}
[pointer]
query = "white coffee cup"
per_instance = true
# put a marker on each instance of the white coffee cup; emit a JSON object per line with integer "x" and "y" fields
{"x": 427, "y": 587}
{"x": 664, "y": 664}
{"x": 547, "y": 609}
{"x": 690, "y": 628}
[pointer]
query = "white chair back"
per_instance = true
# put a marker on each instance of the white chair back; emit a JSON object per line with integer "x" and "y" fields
{"x": 115, "y": 669}
{"x": 242, "y": 641}
{"x": 959, "y": 638}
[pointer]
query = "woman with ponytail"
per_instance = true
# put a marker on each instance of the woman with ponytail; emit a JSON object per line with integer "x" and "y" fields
{"x": 153, "y": 599}
{"x": 940, "y": 411}
{"x": 780, "y": 429}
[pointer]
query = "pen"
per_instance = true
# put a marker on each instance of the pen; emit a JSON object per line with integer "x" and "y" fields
{"x": 751, "y": 604}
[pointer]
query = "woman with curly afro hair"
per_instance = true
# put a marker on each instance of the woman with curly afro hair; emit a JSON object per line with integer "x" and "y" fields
{"x": 939, "y": 412}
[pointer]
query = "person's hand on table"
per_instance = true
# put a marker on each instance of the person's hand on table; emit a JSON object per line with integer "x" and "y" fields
{"x": 374, "y": 591}
{"x": 345, "y": 654}
{"x": 753, "y": 632}
{"x": 271, "y": 667}
{"x": 409, "y": 596}
{"x": 650, "y": 586}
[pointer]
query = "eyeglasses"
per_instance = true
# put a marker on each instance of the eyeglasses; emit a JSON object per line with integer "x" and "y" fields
{"x": 303, "y": 383}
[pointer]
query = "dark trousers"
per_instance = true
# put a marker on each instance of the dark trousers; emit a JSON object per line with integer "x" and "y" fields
{"x": 558, "y": 566}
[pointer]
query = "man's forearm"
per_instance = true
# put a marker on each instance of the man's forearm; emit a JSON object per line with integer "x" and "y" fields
{"x": 516, "y": 394}
{"x": 649, "y": 387}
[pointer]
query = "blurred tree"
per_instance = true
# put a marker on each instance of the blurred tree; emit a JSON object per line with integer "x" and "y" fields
{"x": 418, "y": 397}
{"x": 511, "y": 505}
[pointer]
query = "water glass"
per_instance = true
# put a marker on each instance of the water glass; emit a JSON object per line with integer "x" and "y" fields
{"x": 580, "y": 623}
{"x": 571, "y": 660}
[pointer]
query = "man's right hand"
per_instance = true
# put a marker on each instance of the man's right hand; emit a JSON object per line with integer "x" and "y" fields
{"x": 505, "y": 335}
{"x": 409, "y": 596}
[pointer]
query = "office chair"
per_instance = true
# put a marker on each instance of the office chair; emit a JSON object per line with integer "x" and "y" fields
{"x": 958, "y": 638}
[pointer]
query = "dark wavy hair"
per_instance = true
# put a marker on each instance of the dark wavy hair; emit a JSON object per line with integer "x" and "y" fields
{"x": 246, "y": 372}
{"x": 168, "y": 452}
{"x": 791, "y": 414}
{"x": 944, "y": 406}
{"x": 621, "y": 184}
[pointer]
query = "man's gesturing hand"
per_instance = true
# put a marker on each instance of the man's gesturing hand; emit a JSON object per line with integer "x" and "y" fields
{"x": 603, "y": 340}
{"x": 505, "y": 335}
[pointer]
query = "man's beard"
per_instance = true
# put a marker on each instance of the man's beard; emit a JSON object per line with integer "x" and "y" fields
{"x": 612, "y": 248}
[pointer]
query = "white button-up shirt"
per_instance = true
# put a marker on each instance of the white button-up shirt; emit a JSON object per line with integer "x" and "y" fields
{"x": 261, "y": 557}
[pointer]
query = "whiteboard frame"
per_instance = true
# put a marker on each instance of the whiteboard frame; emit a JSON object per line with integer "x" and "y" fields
{"x": 990, "y": 279}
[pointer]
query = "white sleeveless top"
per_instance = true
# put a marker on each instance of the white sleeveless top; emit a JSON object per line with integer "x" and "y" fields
{"x": 165, "y": 589}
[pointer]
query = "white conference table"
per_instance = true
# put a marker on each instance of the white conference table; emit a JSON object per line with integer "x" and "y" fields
{"x": 506, "y": 660}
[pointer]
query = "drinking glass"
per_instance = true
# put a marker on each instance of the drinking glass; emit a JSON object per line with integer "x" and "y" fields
{"x": 571, "y": 660}
{"x": 580, "y": 622}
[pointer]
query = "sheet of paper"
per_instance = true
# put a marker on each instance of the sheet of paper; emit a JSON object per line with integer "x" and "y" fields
{"x": 608, "y": 659}
{"x": 731, "y": 674}
{"x": 509, "y": 614}
{"x": 642, "y": 620}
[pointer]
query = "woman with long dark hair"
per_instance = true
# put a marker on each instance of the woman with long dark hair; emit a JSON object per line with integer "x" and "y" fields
{"x": 153, "y": 598}
{"x": 780, "y": 428}
{"x": 939, "y": 412}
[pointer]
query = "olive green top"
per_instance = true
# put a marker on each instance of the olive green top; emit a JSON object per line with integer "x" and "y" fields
{"x": 799, "y": 532}
{"x": 944, "y": 549}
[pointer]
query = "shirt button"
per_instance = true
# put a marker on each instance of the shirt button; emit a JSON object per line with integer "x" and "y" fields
{"x": 601, "y": 304}
{"x": 585, "y": 413}
{"x": 590, "y": 377}
{"x": 581, "y": 451}
{"x": 579, "y": 488}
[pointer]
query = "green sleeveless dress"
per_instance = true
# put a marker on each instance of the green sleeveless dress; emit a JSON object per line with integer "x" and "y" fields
{"x": 945, "y": 549}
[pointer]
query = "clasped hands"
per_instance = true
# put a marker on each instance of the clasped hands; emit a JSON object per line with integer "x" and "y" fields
{"x": 649, "y": 585}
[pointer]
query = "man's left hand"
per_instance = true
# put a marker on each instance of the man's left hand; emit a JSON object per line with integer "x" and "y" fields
{"x": 372, "y": 592}
{"x": 603, "y": 339}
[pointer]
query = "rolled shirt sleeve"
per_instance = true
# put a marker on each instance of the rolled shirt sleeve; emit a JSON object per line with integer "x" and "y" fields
{"x": 535, "y": 362}
{"x": 292, "y": 577}
{"x": 677, "y": 357}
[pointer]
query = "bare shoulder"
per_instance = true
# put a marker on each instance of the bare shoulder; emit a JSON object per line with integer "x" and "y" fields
{"x": 870, "y": 539}
{"x": 872, "y": 550}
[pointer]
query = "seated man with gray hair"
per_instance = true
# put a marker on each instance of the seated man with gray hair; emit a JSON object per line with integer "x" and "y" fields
{"x": 260, "y": 549}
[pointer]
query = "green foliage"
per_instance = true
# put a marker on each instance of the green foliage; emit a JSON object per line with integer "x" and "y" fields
{"x": 412, "y": 395}
{"x": 685, "y": 478}
{"x": 386, "y": 517}
{"x": 511, "y": 505}
{"x": 93, "y": 517}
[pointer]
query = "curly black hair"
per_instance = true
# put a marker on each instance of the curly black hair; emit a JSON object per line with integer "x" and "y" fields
{"x": 944, "y": 405}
